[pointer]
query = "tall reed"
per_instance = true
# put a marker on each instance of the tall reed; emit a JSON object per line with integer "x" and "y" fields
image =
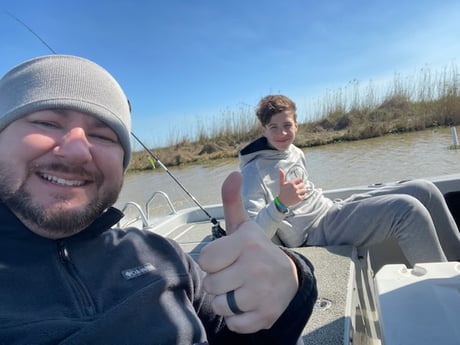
{"x": 404, "y": 103}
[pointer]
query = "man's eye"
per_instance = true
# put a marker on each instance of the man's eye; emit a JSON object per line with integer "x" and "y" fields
{"x": 104, "y": 137}
{"x": 46, "y": 123}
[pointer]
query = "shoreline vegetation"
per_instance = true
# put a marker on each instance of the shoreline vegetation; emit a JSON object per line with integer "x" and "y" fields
{"x": 425, "y": 100}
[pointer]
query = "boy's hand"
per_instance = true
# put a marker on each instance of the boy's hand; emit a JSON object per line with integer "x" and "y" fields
{"x": 292, "y": 191}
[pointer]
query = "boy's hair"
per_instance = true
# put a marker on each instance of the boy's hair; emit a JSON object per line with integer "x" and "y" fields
{"x": 274, "y": 104}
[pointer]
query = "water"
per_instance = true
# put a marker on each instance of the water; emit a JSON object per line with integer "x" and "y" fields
{"x": 389, "y": 158}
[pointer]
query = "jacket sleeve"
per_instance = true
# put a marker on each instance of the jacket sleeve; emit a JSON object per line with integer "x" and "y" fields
{"x": 286, "y": 330}
{"x": 258, "y": 202}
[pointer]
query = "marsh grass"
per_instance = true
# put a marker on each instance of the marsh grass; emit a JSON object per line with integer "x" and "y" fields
{"x": 405, "y": 103}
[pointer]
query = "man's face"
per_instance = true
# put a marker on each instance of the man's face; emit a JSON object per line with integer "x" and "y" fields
{"x": 60, "y": 169}
{"x": 281, "y": 130}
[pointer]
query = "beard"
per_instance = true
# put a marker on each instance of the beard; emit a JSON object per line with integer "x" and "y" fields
{"x": 57, "y": 221}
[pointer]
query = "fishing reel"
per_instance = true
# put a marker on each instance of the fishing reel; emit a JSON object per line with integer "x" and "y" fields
{"x": 217, "y": 231}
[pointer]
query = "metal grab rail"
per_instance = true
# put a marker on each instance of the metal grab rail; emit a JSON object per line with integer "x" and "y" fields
{"x": 145, "y": 222}
{"x": 145, "y": 215}
{"x": 166, "y": 197}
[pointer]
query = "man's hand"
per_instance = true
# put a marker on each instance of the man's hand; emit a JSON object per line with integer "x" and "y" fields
{"x": 262, "y": 276}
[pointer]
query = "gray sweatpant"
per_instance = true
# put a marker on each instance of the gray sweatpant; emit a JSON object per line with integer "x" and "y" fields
{"x": 414, "y": 213}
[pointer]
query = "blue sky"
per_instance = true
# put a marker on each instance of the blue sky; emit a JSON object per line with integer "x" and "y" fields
{"x": 185, "y": 63}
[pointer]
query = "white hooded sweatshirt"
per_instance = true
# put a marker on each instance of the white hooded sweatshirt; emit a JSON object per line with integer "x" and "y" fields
{"x": 259, "y": 164}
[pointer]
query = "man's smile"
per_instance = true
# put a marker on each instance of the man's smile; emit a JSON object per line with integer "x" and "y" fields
{"x": 62, "y": 181}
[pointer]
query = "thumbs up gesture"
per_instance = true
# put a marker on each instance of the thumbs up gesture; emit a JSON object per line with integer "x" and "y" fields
{"x": 292, "y": 191}
{"x": 252, "y": 279}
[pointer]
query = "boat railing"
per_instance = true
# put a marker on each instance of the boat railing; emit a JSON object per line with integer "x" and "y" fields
{"x": 143, "y": 214}
{"x": 172, "y": 209}
{"x": 132, "y": 204}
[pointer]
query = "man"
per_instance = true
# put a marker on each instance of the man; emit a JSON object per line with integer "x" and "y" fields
{"x": 281, "y": 198}
{"x": 68, "y": 277}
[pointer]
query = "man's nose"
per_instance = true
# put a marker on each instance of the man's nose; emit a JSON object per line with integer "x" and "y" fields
{"x": 74, "y": 147}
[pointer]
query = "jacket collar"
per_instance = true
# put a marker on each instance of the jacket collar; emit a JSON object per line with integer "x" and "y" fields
{"x": 257, "y": 145}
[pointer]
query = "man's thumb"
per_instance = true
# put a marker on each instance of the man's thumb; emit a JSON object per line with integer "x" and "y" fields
{"x": 234, "y": 211}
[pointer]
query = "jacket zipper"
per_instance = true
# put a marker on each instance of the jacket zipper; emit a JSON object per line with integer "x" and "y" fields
{"x": 82, "y": 294}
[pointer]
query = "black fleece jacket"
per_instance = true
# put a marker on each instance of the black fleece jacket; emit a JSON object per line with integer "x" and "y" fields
{"x": 118, "y": 286}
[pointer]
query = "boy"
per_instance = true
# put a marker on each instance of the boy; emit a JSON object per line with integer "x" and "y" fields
{"x": 281, "y": 198}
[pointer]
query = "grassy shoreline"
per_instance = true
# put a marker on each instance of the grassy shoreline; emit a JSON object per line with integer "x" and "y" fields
{"x": 426, "y": 100}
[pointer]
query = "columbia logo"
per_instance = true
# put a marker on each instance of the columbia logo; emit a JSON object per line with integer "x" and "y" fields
{"x": 137, "y": 271}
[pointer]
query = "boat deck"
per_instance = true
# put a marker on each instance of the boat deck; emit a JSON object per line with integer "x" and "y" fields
{"x": 347, "y": 311}
{"x": 331, "y": 321}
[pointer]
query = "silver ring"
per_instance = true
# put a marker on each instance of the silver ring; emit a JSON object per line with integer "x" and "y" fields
{"x": 232, "y": 303}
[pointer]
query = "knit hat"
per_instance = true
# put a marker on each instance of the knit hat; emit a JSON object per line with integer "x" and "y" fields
{"x": 66, "y": 82}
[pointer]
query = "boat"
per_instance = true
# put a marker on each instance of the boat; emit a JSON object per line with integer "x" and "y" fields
{"x": 366, "y": 296}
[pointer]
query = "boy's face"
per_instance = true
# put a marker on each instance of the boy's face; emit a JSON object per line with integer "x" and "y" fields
{"x": 281, "y": 130}
{"x": 60, "y": 169}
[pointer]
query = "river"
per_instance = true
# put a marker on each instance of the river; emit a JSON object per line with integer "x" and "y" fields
{"x": 390, "y": 158}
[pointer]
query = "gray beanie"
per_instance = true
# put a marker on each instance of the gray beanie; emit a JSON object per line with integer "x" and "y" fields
{"x": 66, "y": 82}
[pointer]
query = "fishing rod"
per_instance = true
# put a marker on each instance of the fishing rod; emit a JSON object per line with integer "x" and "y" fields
{"x": 217, "y": 230}
{"x": 30, "y": 30}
